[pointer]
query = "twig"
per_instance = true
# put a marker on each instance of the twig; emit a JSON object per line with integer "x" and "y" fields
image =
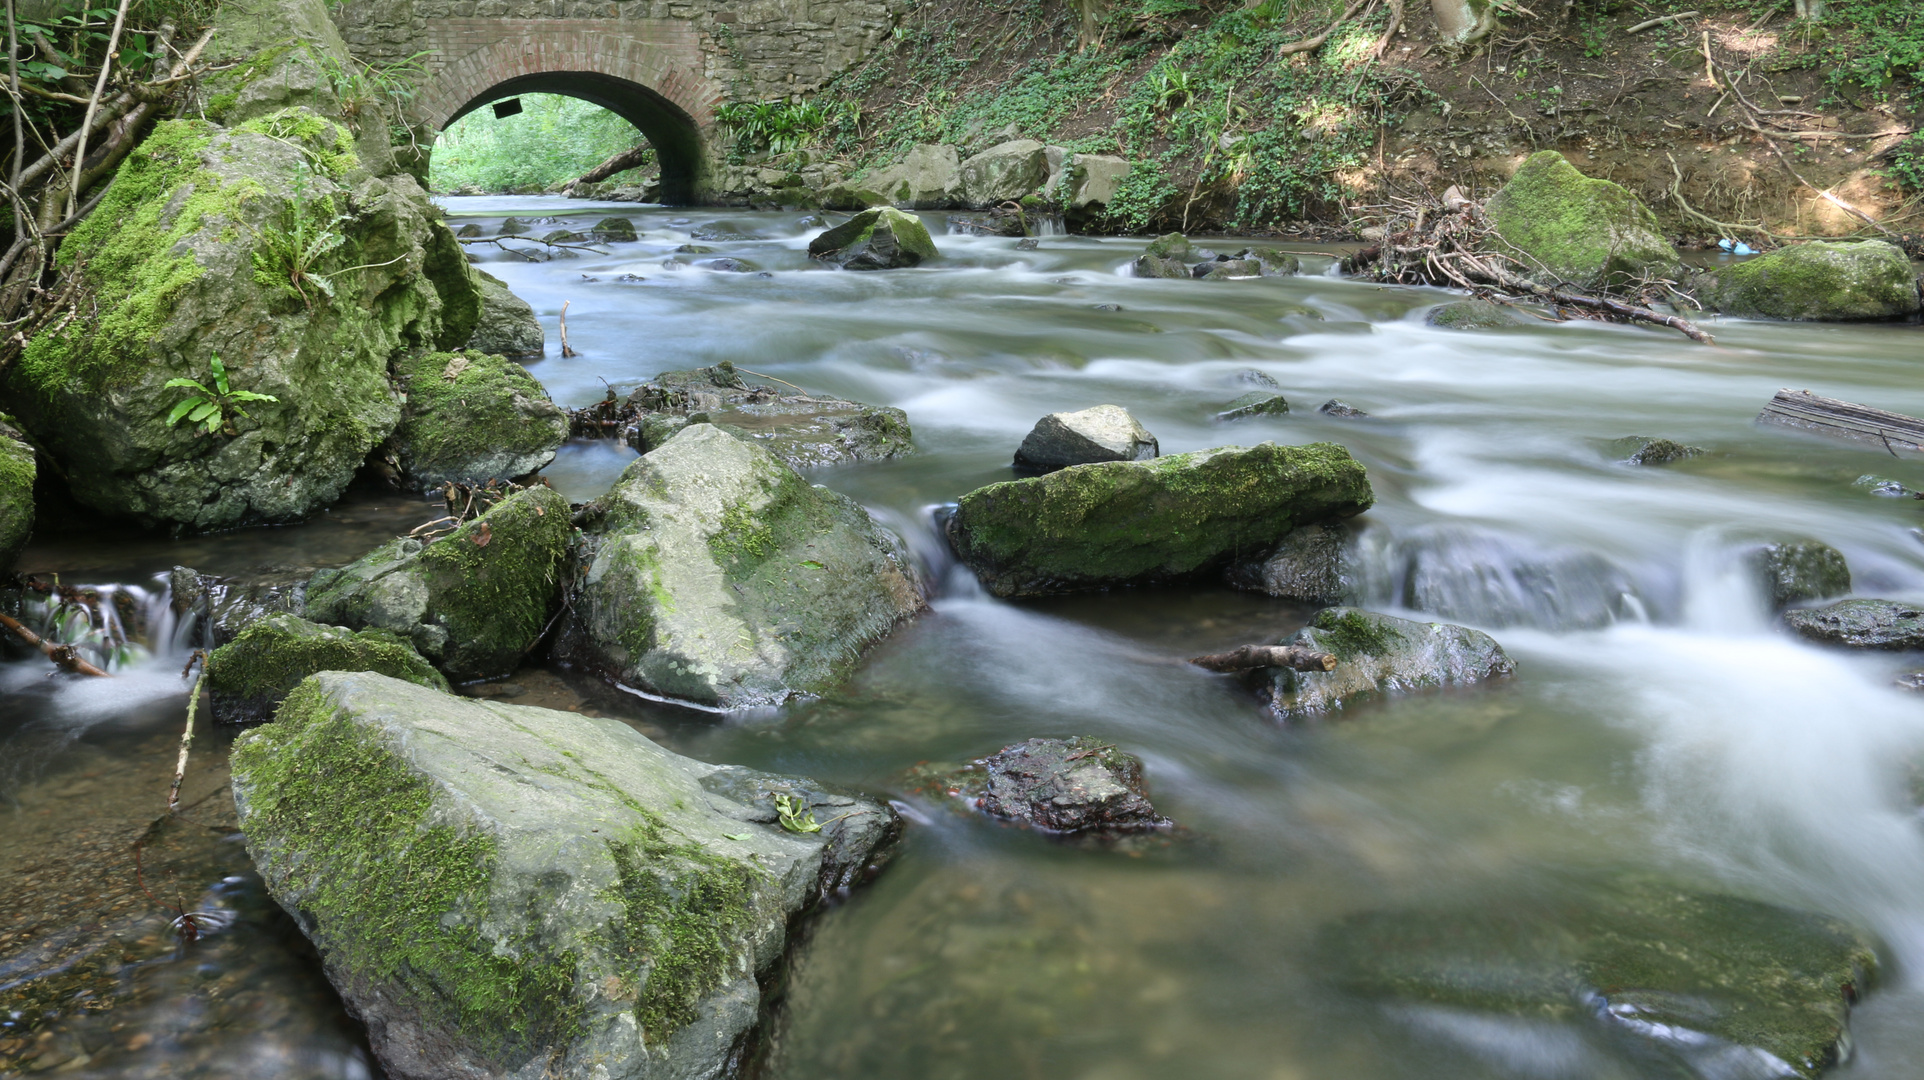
{"x": 93, "y": 103}
{"x": 565, "y": 350}
{"x": 771, "y": 378}
{"x": 1648, "y": 23}
{"x": 1245, "y": 657}
{"x": 187, "y": 735}
{"x": 66, "y": 656}
{"x": 1310, "y": 43}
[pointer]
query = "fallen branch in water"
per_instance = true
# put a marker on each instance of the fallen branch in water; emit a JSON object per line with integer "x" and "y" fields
{"x": 565, "y": 350}
{"x": 1245, "y": 657}
{"x": 66, "y": 656}
{"x": 187, "y": 736}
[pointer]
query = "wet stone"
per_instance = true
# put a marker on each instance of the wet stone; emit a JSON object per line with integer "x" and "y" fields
{"x": 1313, "y": 564}
{"x": 1798, "y": 572}
{"x": 1647, "y": 450}
{"x": 1255, "y": 403}
{"x": 1102, "y": 433}
{"x": 1341, "y": 409}
{"x": 1073, "y": 785}
{"x": 1885, "y": 488}
{"x": 1379, "y": 656}
{"x": 1861, "y": 624}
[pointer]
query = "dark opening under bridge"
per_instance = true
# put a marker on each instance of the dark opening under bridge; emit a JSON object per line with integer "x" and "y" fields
{"x": 663, "y": 65}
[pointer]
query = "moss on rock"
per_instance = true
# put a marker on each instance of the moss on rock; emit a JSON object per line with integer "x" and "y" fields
{"x": 248, "y": 676}
{"x": 18, "y": 469}
{"x": 1570, "y": 229}
{"x": 1129, "y": 522}
{"x": 881, "y": 238}
{"x": 472, "y": 418}
{"x": 1378, "y": 655}
{"x": 1819, "y": 280}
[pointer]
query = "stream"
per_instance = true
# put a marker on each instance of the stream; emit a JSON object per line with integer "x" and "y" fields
{"x": 1658, "y": 724}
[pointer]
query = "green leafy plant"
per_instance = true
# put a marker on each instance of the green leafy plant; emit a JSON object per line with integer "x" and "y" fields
{"x": 215, "y": 407}
{"x": 795, "y": 815}
{"x": 1171, "y": 86}
{"x": 288, "y": 256}
{"x": 781, "y": 126}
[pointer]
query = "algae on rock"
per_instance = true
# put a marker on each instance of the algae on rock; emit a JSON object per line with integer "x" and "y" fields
{"x": 1139, "y": 522}
{"x": 721, "y": 577}
{"x": 505, "y": 891}
{"x": 248, "y": 676}
{"x": 18, "y": 470}
{"x": 1568, "y": 229}
{"x": 473, "y": 601}
{"x": 472, "y": 418}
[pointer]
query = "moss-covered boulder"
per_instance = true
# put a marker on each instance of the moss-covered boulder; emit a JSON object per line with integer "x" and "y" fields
{"x": 1003, "y": 173}
{"x": 925, "y": 178}
{"x": 248, "y": 676}
{"x": 1474, "y": 314}
{"x": 505, "y": 891}
{"x": 1379, "y": 655}
{"x": 881, "y": 238}
{"x": 474, "y": 601}
{"x": 18, "y": 469}
{"x": 472, "y": 418}
{"x": 723, "y": 578}
{"x": 614, "y": 230}
{"x": 1819, "y": 280}
{"x": 1138, "y": 522}
{"x": 1718, "y": 985}
{"x": 1253, "y": 404}
{"x": 1793, "y": 572}
{"x": 506, "y": 324}
{"x": 1862, "y": 624}
{"x": 1571, "y": 230}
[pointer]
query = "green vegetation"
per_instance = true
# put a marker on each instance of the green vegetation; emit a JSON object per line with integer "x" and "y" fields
{"x": 780, "y": 126}
{"x": 213, "y": 408}
{"x": 1877, "y": 45}
{"x": 550, "y": 142}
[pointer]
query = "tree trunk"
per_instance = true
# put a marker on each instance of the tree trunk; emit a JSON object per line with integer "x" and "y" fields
{"x": 1460, "y": 22}
{"x": 1089, "y": 27}
{"x": 1810, "y": 9}
{"x": 621, "y": 162}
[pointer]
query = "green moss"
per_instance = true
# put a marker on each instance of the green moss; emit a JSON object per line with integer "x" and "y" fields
{"x": 451, "y": 424}
{"x": 1567, "y": 227}
{"x": 494, "y": 580}
{"x": 270, "y": 657}
{"x": 1818, "y": 280}
{"x": 327, "y": 144}
{"x": 401, "y": 892}
{"x": 1349, "y": 633}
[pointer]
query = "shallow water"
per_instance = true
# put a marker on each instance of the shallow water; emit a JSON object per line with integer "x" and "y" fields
{"x": 1657, "y": 723}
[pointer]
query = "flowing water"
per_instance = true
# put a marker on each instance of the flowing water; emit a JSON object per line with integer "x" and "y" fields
{"x": 1658, "y": 725}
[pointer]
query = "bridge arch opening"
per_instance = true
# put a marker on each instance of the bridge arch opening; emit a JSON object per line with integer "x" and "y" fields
{"x": 675, "y": 135}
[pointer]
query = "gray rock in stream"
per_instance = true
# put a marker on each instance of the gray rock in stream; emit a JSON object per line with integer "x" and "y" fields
{"x": 1796, "y": 572}
{"x": 1255, "y": 403}
{"x": 1862, "y": 624}
{"x": 804, "y": 430}
{"x": 1075, "y": 785}
{"x": 220, "y": 606}
{"x": 503, "y": 891}
{"x": 1649, "y": 450}
{"x": 1102, "y": 433}
{"x": 1315, "y": 564}
{"x": 1379, "y": 655}
{"x": 1718, "y": 985}
{"x": 507, "y": 325}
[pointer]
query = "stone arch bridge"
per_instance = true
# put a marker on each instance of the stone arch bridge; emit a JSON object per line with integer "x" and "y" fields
{"x": 663, "y": 65}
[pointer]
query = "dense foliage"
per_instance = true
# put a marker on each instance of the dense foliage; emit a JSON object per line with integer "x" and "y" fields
{"x": 553, "y": 140}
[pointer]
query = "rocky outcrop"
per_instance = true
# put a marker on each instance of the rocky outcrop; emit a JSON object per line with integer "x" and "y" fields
{"x": 471, "y": 418}
{"x": 882, "y": 238}
{"x": 1315, "y": 564}
{"x": 474, "y": 601}
{"x": 1075, "y": 785}
{"x": 196, "y": 251}
{"x": 1377, "y": 656}
{"x": 1003, "y": 173}
{"x": 1102, "y": 433}
{"x": 720, "y": 577}
{"x": 1819, "y": 280}
{"x": 1713, "y": 984}
{"x": 248, "y": 676}
{"x": 18, "y": 469}
{"x": 1570, "y": 230}
{"x": 498, "y": 890}
{"x": 1794, "y": 572}
{"x": 506, "y": 326}
{"x": 793, "y": 179}
{"x": 1862, "y": 624}
{"x": 1138, "y": 522}
{"x": 1648, "y": 450}
{"x": 1173, "y": 256}
{"x": 925, "y": 178}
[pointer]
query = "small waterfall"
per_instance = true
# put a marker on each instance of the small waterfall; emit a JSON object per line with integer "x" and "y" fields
{"x": 114, "y": 626}
{"x": 1049, "y": 224}
{"x": 1489, "y": 579}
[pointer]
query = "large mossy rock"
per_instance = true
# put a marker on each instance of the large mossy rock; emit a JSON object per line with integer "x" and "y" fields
{"x": 248, "y": 676}
{"x": 1140, "y": 522}
{"x": 925, "y": 178}
{"x": 1730, "y": 986}
{"x": 506, "y": 324}
{"x": 721, "y": 577}
{"x": 1003, "y": 173}
{"x": 1868, "y": 279}
{"x": 513, "y": 892}
{"x": 18, "y": 469}
{"x": 473, "y": 601}
{"x": 1093, "y": 183}
{"x": 1862, "y": 624}
{"x": 881, "y": 238}
{"x": 1572, "y": 230}
{"x": 1379, "y": 655}
{"x": 471, "y": 418}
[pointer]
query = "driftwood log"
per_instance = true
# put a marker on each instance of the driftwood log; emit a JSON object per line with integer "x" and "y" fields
{"x": 1246, "y": 657}
{"x": 1805, "y": 411}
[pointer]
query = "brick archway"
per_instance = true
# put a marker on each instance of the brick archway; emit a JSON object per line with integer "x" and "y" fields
{"x": 649, "y": 73}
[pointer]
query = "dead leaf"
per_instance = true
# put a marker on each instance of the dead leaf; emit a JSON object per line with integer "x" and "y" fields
{"x": 483, "y": 534}
{"x": 454, "y": 369}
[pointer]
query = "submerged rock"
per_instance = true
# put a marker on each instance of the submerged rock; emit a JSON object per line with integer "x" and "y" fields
{"x": 18, "y": 469}
{"x": 1796, "y": 572}
{"x": 507, "y": 326}
{"x": 1862, "y": 624}
{"x": 1101, "y": 433}
{"x": 497, "y": 890}
{"x": 248, "y": 676}
{"x": 1341, "y": 409}
{"x": 473, "y": 601}
{"x": 1572, "y": 230}
{"x": 1868, "y": 279}
{"x": 1138, "y": 522}
{"x": 1721, "y": 985}
{"x": 1255, "y": 403}
{"x": 1647, "y": 450}
{"x": 471, "y": 418}
{"x": 1492, "y": 579}
{"x": 805, "y": 431}
{"x": 1073, "y": 785}
{"x": 882, "y": 238}
{"x": 721, "y": 577}
{"x": 1378, "y": 655}
{"x": 1314, "y": 564}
